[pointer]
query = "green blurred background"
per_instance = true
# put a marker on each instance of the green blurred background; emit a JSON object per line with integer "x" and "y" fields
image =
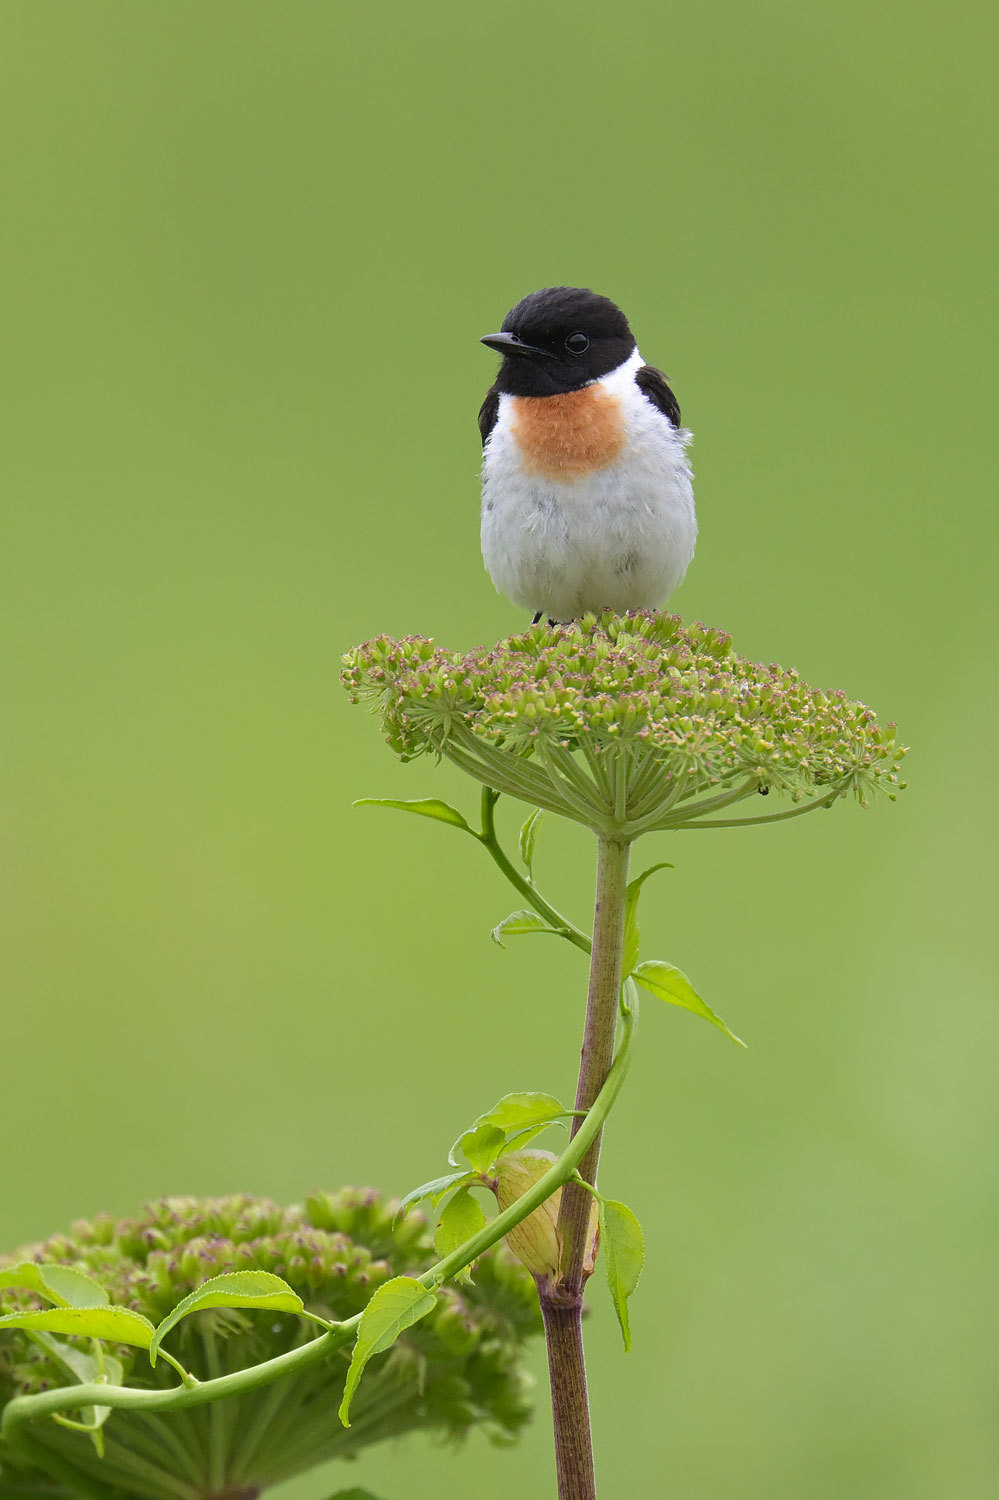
{"x": 248, "y": 251}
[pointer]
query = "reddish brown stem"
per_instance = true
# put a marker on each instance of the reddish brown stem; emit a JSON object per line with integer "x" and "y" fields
{"x": 562, "y": 1302}
{"x": 570, "y": 1408}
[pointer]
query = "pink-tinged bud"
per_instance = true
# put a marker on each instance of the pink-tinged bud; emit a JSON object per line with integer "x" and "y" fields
{"x": 535, "y": 1240}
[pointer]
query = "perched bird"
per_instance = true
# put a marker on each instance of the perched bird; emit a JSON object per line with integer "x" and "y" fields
{"x": 587, "y": 500}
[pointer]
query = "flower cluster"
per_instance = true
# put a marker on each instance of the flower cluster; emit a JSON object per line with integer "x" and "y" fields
{"x": 456, "y": 1369}
{"x": 625, "y": 722}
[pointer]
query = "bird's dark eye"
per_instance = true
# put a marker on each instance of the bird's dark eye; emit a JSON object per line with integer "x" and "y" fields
{"x": 577, "y": 343}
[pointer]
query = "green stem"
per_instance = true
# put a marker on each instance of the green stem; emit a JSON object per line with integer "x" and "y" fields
{"x": 710, "y": 804}
{"x": 218, "y": 1430}
{"x": 248, "y": 1448}
{"x": 40, "y": 1457}
{"x": 527, "y": 888}
{"x": 794, "y": 812}
{"x": 515, "y": 775}
{"x": 171, "y": 1444}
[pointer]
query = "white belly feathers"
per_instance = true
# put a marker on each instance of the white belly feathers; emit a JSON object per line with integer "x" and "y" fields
{"x": 587, "y": 500}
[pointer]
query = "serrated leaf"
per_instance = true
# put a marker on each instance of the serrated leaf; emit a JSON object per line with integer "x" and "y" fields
{"x": 249, "y": 1289}
{"x": 529, "y": 837}
{"x": 623, "y": 1247}
{"x": 58, "y": 1284}
{"x": 631, "y": 935}
{"x": 671, "y": 984}
{"x": 120, "y": 1325}
{"x": 481, "y": 1145}
{"x": 396, "y": 1306}
{"x": 425, "y": 807}
{"x": 516, "y": 1111}
{"x": 434, "y": 1190}
{"x": 462, "y": 1216}
{"x": 522, "y": 924}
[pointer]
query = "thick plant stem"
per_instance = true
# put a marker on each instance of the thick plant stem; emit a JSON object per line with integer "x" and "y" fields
{"x": 597, "y": 1053}
{"x": 570, "y": 1407}
{"x": 562, "y": 1301}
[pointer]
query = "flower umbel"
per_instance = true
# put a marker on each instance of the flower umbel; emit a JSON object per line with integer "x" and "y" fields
{"x": 457, "y": 1369}
{"x": 626, "y": 723}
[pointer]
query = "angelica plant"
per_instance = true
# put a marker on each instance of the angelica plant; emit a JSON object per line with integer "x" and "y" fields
{"x": 629, "y": 725}
{"x": 178, "y": 1355}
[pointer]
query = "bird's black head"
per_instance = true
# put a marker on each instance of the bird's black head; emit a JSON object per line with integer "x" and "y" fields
{"x": 558, "y": 340}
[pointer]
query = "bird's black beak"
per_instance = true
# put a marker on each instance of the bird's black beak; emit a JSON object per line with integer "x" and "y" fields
{"x": 509, "y": 343}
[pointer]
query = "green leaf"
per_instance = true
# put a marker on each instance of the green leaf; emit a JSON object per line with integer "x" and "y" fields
{"x": 434, "y": 1190}
{"x": 516, "y": 1111}
{"x": 481, "y": 1145}
{"x": 88, "y": 1369}
{"x": 522, "y": 1138}
{"x": 520, "y": 924}
{"x": 81, "y": 1363}
{"x": 426, "y": 807}
{"x": 529, "y": 837}
{"x": 624, "y": 1255}
{"x": 462, "y": 1217}
{"x": 118, "y": 1324}
{"x": 59, "y": 1284}
{"x": 670, "y": 984}
{"x": 396, "y": 1306}
{"x": 251, "y": 1289}
{"x": 631, "y": 915}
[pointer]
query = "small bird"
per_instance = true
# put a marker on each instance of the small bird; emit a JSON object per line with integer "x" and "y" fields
{"x": 587, "y": 502}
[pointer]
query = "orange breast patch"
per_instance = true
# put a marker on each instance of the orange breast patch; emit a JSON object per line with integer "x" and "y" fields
{"x": 564, "y": 437}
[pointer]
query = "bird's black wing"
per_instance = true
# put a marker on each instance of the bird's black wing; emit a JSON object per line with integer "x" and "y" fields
{"x": 488, "y": 412}
{"x": 652, "y": 383}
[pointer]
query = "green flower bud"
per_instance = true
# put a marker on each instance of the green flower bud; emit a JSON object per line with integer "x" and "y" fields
{"x": 535, "y": 1241}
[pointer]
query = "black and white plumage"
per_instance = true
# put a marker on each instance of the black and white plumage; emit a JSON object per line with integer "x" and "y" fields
{"x": 587, "y": 501}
